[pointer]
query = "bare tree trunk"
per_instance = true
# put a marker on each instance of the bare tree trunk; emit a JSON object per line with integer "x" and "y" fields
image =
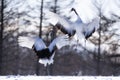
{"x": 1, "y": 33}
{"x": 40, "y": 34}
{"x": 41, "y": 18}
{"x": 54, "y": 29}
{"x": 17, "y": 55}
{"x": 99, "y": 49}
{"x": 55, "y": 7}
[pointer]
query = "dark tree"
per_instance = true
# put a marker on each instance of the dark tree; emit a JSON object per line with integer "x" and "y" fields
{"x": 99, "y": 50}
{"x": 1, "y": 31}
{"x": 40, "y": 34}
{"x": 41, "y": 18}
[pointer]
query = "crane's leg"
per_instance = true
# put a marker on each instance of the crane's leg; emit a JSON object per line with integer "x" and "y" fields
{"x": 47, "y": 70}
{"x": 77, "y": 43}
{"x": 85, "y": 45}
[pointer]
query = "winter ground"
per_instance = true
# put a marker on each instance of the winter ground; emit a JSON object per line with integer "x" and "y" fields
{"x": 59, "y": 78}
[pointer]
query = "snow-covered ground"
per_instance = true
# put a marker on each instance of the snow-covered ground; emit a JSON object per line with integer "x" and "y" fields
{"x": 59, "y": 78}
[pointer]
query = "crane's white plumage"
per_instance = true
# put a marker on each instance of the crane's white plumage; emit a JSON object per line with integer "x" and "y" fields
{"x": 54, "y": 19}
{"x": 62, "y": 40}
{"x": 39, "y": 44}
{"x": 26, "y": 41}
{"x": 30, "y": 41}
{"x": 85, "y": 29}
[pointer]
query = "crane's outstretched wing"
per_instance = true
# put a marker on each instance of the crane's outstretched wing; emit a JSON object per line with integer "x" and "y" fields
{"x": 39, "y": 44}
{"x": 85, "y": 30}
{"x": 61, "y": 23}
{"x": 59, "y": 42}
{"x": 28, "y": 42}
{"x": 91, "y": 27}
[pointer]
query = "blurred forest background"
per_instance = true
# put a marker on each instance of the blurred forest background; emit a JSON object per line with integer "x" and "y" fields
{"x": 26, "y": 17}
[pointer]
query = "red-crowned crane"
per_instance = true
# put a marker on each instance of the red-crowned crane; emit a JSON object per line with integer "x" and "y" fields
{"x": 77, "y": 29}
{"x": 43, "y": 52}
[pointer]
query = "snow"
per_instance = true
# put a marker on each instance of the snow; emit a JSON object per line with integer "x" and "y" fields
{"x": 32, "y": 77}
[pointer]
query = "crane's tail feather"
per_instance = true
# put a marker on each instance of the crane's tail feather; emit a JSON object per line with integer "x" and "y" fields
{"x": 26, "y": 42}
{"x": 46, "y": 62}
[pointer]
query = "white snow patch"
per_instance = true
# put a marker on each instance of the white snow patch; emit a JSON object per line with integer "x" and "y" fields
{"x": 33, "y": 77}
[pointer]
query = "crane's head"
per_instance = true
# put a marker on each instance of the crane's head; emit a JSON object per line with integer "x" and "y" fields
{"x": 73, "y": 9}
